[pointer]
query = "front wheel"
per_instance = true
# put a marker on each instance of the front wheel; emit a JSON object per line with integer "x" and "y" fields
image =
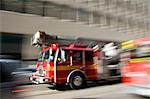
{"x": 77, "y": 81}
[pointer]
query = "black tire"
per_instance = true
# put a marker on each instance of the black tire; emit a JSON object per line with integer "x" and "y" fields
{"x": 77, "y": 80}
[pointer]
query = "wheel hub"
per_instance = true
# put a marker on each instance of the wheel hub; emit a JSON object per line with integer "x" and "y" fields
{"x": 77, "y": 81}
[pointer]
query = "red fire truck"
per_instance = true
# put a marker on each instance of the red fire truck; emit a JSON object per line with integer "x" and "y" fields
{"x": 72, "y": 62}
{"x": 135, "y": 70}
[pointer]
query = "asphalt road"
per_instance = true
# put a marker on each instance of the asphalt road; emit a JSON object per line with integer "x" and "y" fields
{"x": 100, "y": 91}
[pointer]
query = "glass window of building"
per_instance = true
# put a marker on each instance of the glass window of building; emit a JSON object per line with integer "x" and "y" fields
{"x": 121, "y": 24}
{"x": 103, "y": 21}
{"x": 53, "y": 10}
{"x": 108, "y": 18}
{"x": 83, "y": 16}
{"x": 12, "y": 5}
{"x": 96, "y": 19}
{"x": 94, "y": 3}
{"x": 34, "y": 7}
{"x": 113, "y": 22}
{"x": 101, "y": 2}
{"x": 68, "y": 13}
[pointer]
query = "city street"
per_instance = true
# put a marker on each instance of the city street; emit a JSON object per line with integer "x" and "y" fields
{"x": 45, "y": 91}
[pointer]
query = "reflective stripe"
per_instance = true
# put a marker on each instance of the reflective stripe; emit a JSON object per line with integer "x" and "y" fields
{"x": 90, "y": 76}
{"x": 64, "y": 78}
{"x": 140, "y": 60}
{"x": 128, "y": 44}
{"x": 95, "y": 66}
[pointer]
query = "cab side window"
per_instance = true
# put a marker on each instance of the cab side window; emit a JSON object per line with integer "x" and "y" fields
{"x": 77, "y": 57}
{"x": 89, "y": 56}
{"x": 63, "y": 58}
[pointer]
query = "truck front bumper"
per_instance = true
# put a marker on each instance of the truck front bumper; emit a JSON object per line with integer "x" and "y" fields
{"x": 41, "y": 80}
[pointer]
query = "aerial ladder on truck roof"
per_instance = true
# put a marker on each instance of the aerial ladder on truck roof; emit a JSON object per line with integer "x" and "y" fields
{"x": 41, "y": 39}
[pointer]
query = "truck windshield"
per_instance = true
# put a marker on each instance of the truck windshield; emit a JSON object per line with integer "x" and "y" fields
{"x": 143, "y": 51}
{"x": 40, "y": 57}
{"x": 48, "y": 54}
{"x": 43, "y": 56}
